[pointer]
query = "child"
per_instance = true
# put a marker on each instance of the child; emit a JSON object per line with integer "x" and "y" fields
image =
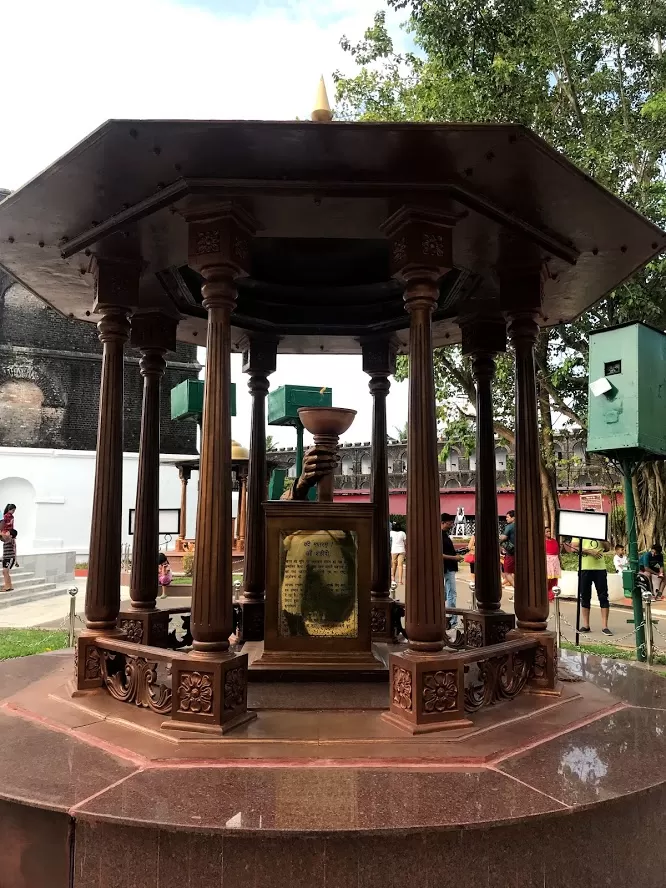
{"x": 8, "y": 558}
{"x": 620, "y": 560}
{"x": 8, "y": 518}
{"x": 164, "y": 574}
{"x": 553, "y": 567}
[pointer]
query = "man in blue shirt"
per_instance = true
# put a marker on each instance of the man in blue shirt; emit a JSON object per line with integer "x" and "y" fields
{"x": 651, "y": 565}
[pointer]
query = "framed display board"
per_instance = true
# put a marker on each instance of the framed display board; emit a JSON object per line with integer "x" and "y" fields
{"x": 582, "y": 525}
{"x": 318, "y": 576}
{"x": 169, "y": 521}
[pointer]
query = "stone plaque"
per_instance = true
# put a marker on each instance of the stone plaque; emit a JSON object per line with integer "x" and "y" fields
{"x": 318, "y": 594}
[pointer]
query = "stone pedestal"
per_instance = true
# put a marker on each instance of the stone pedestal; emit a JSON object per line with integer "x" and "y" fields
{"x": 543, "y": 678}
{"x": 209, "y": 694}
{"x": 427, "y": 692}
{"x": 483, "y": 628}
{"x": 149, "y": 627}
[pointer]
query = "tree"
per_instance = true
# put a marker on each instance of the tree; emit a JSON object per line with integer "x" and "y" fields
{"x": 590, "y": 77}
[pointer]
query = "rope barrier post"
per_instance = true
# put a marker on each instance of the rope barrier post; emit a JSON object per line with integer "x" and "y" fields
{"x": 73, "y": 592}
{"x": 237, "y": 590}
{"x": 630, "y": 512}
{"x": 580, "y": 583}
{"x": 647, "y": 602}
{"x": 558, "y": 625}
{"x": 472, "y": 602}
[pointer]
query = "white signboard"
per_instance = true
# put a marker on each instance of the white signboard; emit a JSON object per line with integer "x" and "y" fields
{"x": 582, "y": 525}
{"x": 169, "y": 521}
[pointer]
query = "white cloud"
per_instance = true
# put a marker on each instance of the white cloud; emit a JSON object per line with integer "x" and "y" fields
{"x": 69, "y": 66}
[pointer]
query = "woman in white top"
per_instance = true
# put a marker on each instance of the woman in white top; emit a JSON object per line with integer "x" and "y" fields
{"x": 398, "y": 552}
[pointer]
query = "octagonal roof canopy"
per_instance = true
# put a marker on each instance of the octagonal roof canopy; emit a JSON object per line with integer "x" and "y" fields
{"x": 319, "y": 265}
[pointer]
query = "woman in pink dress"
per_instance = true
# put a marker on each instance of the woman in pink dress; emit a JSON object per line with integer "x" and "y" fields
{"x": 553, "y": 566}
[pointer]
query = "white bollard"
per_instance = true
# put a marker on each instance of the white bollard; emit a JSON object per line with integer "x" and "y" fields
{"x": 647, "y": 604}
{"x": 73, "y": 592}
{"x": 558, "y": 633}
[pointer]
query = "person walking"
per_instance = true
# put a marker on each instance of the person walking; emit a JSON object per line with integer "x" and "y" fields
{"x": 8, "y": 558}
{"x": 451, "y": 560}
{"x": 553, "y": 566}
{"x": 398, "y": 554}
{"x": 508, "y": 541}
{"x": 593, "y": 572}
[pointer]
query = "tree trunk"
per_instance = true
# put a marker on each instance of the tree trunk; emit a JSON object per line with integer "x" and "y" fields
{"x": 548, "y": 469}
{"x": 649, "y": 483}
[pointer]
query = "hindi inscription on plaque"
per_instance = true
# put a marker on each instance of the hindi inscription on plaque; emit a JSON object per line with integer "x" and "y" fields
{"x": 318, "y": 593}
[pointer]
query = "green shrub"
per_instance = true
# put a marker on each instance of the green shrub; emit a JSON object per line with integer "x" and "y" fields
{"x": 188, "y": 564}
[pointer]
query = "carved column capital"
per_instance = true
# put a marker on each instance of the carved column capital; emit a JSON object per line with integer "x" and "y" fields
{"x": 184, "y": 473}
{"x": 420, "y": 242}
{"x": 220, "y": 238}
{"x": 116, "y": 283}
{"x": 114, "y": 324}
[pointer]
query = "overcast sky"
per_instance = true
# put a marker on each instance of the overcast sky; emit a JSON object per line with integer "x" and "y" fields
{"x": 70, "y": 65}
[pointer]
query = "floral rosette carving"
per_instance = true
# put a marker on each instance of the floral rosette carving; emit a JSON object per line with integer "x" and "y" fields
{"x": 133, "y": 630}
{"x": 474, "y": 634}
{"x": 378, "y": 621}
{"x": 440, "y": 691}
{"x": 93, "y": 665}
{"x": 234, "y": 688}
{"x": 195, "y": 692}
{"x": 402, "y": 688}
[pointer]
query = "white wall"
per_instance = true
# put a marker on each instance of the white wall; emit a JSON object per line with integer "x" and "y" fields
{"x": 53, "y": 492}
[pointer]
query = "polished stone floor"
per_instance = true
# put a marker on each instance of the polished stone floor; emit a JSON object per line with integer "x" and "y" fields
{"x": 311, "y": 772}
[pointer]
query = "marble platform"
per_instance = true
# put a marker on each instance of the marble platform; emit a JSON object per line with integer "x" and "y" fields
{"x": 320, "y": 791}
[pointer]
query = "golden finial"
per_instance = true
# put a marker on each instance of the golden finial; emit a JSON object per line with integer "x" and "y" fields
{"x": 322, "y": 109}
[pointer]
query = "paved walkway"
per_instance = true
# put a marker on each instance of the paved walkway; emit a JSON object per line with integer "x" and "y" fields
{"x": 53, "y": 613}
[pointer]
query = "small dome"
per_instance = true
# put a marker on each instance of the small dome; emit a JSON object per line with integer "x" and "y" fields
{"x": 238, "y": 452}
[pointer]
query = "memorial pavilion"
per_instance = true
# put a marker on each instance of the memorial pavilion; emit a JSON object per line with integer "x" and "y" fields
{"x": 295, "y": 237}
{"x": 376, "y": 239}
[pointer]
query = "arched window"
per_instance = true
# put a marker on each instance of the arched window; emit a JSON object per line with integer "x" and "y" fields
{"x": 500, "y": 459}
{"x": 347, "y": 465}
{"x": 366, "y": 464}
{"x": 292, "y": 471}
{"x": 453, "y": 461}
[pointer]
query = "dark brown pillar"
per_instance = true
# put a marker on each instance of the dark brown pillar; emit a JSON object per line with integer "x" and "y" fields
{"x": 103, "y": 586}
{"x": 154, "y": 335}
{"x": 184, "y": 473}
{"x": 218, "y": 247}
{"x": 421, "y": 247}
{"x": 259, "y": 361}
{"x": 484, "y": 336}
{"x": 424, "y": 578}
{"x": 531, "y": 596}
{"x": 379, "y": 364}
{"x": 242, "y": 512}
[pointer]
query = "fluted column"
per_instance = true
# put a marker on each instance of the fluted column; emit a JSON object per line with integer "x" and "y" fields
{"x": 211, "y": 621}
{"x": 425, "y": 579}
{"x": 242, "y": 512}
{"x": 184, "y": 474}
{"x": 103, "y": 586}
{"x": 143, "y": 585}
{"x": 254, "y": 576}
{"x": 153, "y": 334}
{"x": 530, "y": 596}
{"x": 379, "y": 364}
{"x": 487, "y": 574}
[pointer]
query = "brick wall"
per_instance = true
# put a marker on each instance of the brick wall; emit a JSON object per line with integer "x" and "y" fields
{"x": 49, "y": 380}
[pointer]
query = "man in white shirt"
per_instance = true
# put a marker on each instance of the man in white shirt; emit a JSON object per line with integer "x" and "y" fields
{"x": 398, "y": 552}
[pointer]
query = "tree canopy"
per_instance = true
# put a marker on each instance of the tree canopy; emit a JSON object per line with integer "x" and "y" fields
{"x": 589, "y": 76}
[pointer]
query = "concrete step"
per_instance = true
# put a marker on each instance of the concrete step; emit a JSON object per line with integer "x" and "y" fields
{"x": 19, "y": 582}
{"x": 31, "y": 594}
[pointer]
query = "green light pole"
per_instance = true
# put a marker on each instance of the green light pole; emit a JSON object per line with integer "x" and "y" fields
{"x": 628, "y": 468}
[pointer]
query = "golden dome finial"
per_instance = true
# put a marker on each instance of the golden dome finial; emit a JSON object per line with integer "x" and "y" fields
{"x": 322, "y": 109}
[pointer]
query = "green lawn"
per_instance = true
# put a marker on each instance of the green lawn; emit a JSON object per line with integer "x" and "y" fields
{"x": 22, "y": 642}
{"x": 610, "y": 650}
{"x": 187, "y": 581}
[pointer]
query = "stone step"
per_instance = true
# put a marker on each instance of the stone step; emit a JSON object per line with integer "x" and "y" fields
{"x": 31, "y": 594}
{"x": 19, "y": 582}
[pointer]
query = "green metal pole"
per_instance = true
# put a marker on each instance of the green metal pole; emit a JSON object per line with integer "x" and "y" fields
{"x": 299, "y": 448}
{"x": 636, "y": 599}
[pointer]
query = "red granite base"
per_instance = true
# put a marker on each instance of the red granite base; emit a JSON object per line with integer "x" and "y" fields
{"x": 535, "y": 793}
